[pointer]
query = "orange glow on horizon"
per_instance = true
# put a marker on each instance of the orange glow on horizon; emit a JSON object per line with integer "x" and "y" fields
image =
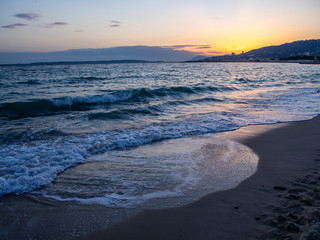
{"x": 206, "y": 27}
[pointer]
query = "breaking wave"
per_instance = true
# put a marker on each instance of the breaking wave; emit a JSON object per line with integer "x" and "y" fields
{"x": 39, "y": 107}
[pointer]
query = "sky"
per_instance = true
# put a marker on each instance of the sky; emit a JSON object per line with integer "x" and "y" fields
{"x": 209, "y": 27}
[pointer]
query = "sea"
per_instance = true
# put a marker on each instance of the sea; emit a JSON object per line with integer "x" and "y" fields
{"x": 123, "y": 134}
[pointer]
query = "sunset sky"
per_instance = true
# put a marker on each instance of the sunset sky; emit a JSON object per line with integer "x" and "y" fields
{"x": 209, "y": 27}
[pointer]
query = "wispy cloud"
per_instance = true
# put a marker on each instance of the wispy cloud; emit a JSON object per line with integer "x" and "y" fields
{"x": 28, "y": 16}
{"x": 15, "y": 25}
{"x": 216, "y": 52}
{"x": 56, "y": 24}
{"x": 78, "y": 31}
{"x": 181, "y": 46}
{"x": 115, "y": 24}
{"x": 59, "y": 23}
{"x": 189, "y": 46}
{"x": 203, "y": 47}
{"x": 215, "y": 18}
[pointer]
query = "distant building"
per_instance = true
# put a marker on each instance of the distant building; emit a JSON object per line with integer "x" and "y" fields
{"x": 233, "y": 54}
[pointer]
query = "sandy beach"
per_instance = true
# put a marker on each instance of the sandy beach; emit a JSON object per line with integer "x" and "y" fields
{"x": 149, "y": 120}
{"x": 280, "y": 201}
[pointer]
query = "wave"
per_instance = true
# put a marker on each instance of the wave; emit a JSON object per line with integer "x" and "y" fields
{"x": 30, "y": 82}
{"x": 13, "y": 136}
{"x": 85, "y": 79}
{"x": 26, "y": 166}
{"x": 206, "y": 100}
{"x": 40, "y": 107}
{"x": 92, "y": 78}
{"x": 121, "y": 114}
{"x": 243, "y": 80}
{"x": 154, "y": 109}
{"x": 30, "y": 165}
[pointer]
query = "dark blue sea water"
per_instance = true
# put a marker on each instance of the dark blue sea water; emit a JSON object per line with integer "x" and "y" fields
{"x": 53, "y": 117}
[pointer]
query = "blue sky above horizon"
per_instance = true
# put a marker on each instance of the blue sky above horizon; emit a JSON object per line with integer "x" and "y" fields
{"x": 206, "y": 27}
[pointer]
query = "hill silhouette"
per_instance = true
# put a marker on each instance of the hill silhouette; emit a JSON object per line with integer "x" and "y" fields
{"x": 297, "y": 48}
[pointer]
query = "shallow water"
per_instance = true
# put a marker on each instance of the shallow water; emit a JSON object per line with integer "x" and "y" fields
{"x": 53, "y": 117}
{"x": 177, "y": 168}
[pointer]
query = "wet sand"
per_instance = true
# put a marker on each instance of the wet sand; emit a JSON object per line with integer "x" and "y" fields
{"x": 281, "y": 200}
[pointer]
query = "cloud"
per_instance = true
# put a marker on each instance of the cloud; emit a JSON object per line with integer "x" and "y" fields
{"x": 15, "y": 25}
{"x": 203, "y": 47}
{"x": 216, "y": 52}
{"x": 116, "y": 22}
{"x": 59, "y": 23}
{"x": 189, "y": 46}
{"x": 79, "y": 30}
{"x": 181, "y": 46}
{"x": 28, "y": 16}
{"x": 215, "y": 18}
{"x": 55, "y": 24}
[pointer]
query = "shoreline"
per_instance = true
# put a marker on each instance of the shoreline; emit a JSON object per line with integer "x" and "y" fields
{"x": 247, "y": 211}
{"x": 135, "y": 61}
{"x": 279, "y": 201}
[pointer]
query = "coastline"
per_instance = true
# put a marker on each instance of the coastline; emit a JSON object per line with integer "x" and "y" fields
{"x": 253, "y": 210}
{"x": 279, "y": 201}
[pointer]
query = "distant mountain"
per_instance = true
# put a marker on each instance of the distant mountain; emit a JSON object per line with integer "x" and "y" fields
{"x": 146, "y": 53}
{"x": 297, "y": 48}
{"x": 93, "y": 62}
{"x": 197, "y": 58}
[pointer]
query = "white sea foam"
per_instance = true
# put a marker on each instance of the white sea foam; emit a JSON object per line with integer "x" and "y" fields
{"x": 115, "y": 200}
{"x": 174, "y": 168}
{"x": 27, "y": 167}
{"x": 98, "y": 99}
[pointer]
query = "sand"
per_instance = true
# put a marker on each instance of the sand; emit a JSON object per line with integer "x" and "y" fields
{"x": 280, "y": 201}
